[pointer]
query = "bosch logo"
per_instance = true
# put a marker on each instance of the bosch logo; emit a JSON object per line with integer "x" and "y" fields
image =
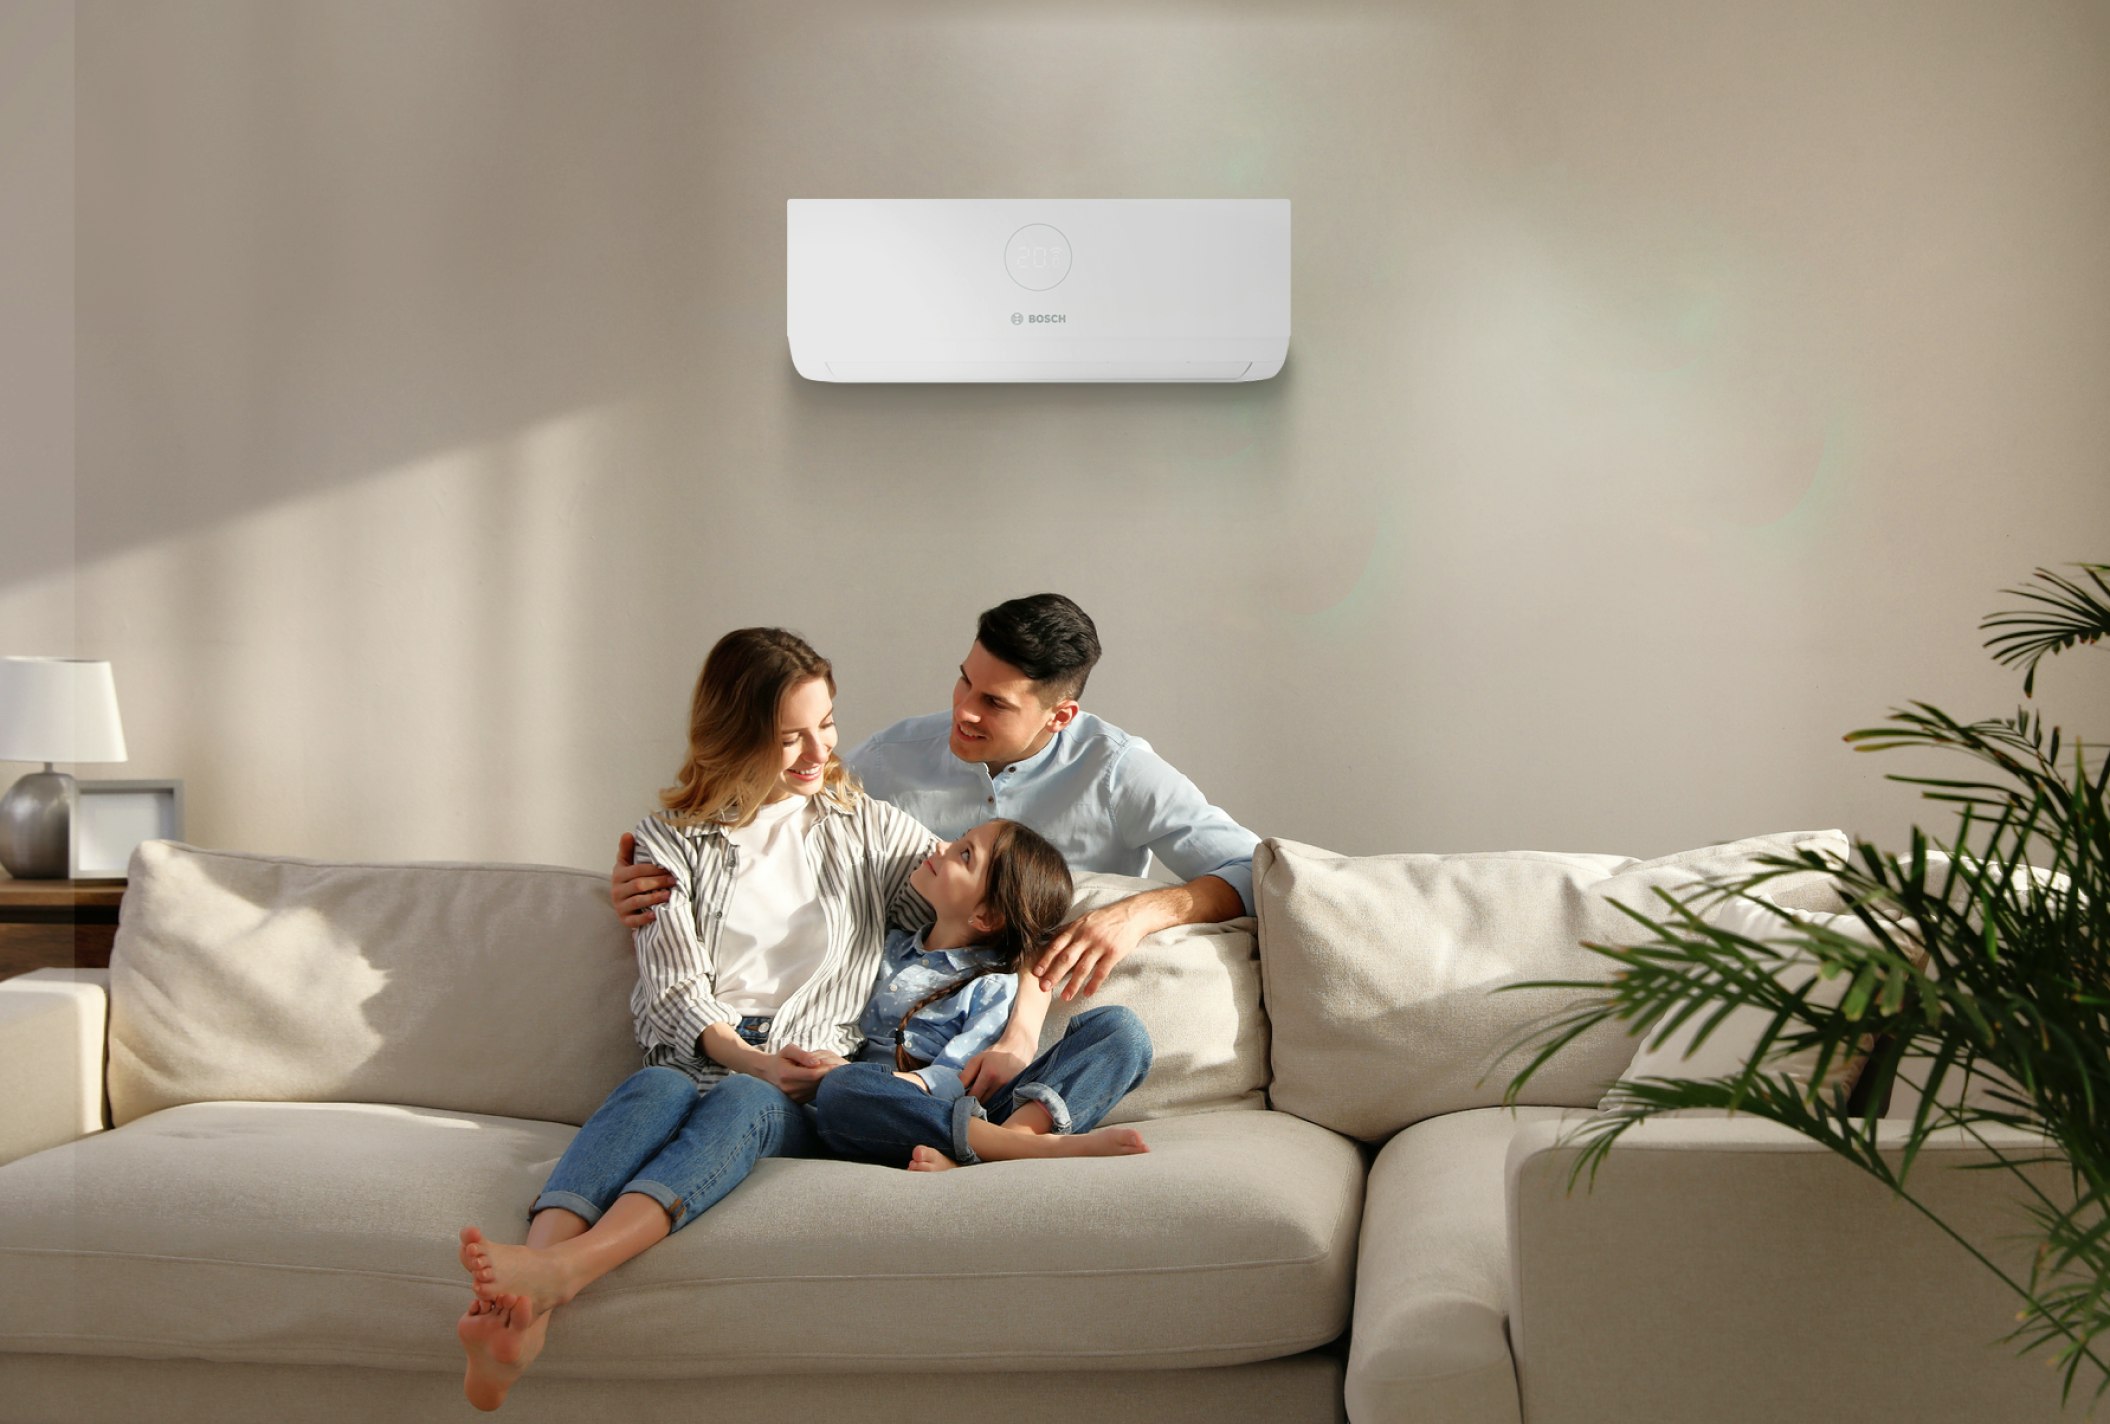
{"x": 1045, "y": 318}
{"x": 1017, "y": 317}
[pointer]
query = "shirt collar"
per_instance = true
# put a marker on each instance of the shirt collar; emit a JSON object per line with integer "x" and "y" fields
{"x": 972, "y": 956}
{"x": 1031, "y": 763}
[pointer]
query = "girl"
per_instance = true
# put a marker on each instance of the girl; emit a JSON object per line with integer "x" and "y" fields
{"x": 944, "y": 995}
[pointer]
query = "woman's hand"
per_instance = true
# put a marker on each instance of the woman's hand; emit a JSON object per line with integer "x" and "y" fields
{"x": 795, "y": 1072}
{"x": 635, "y": 888}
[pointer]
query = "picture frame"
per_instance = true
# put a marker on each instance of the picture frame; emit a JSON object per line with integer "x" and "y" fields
{"x": 111, "y": 818}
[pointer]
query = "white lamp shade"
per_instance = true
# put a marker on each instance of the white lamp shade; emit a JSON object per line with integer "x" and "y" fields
{"x": 59, "y": 709}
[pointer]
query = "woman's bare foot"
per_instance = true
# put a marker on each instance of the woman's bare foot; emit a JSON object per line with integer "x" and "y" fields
{"x": 497, "y": 1270}
{"x": 930, "y": 1159}
{"x": 501, "y": 1338}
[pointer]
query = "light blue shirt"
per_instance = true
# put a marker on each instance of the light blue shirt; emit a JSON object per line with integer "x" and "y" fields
{"x": 948, "y": 1031}
{"x": 1104, "y": 798}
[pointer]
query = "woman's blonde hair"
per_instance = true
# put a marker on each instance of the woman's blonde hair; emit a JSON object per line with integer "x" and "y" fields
{"x": 734, "y": 762}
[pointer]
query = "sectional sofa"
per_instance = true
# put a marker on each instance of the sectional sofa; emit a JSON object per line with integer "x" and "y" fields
{"x": 232, "y": 1168}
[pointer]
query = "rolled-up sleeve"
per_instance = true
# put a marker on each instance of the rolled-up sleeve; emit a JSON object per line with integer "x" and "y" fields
{"x": 1159, "y": 810}
{"x": 677, "y": 999}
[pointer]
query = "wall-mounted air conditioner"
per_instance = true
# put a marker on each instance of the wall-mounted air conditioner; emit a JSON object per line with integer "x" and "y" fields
{"x": 1015, "y": 289}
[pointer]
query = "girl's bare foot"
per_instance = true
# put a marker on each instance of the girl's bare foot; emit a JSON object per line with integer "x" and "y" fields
{"x": 497, "y": 1270}
{"x": 930, "y": 1159}
{"x": 1105, "y": 1142}
{"x": 501, "y": 1340}
{"x": 992, "y": 1143}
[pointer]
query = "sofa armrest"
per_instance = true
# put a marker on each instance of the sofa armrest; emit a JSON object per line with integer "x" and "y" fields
{"x": 1430, "y": 1343}
{"x": 52, "y": 1024}
{"x": 1731, "y": 1270}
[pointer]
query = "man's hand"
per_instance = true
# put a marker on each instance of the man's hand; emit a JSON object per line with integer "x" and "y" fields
{"x": 634, "y": 889}
{"x": 991, "y": 1071}
{"x": 1084, "y": 951}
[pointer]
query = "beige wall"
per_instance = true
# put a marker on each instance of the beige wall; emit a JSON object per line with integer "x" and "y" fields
{"x": 1672, "y": 388}
{"x": 36, "y": 331}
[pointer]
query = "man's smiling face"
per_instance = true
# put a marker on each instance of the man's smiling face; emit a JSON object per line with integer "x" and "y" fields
{"x": 997, "y": 714}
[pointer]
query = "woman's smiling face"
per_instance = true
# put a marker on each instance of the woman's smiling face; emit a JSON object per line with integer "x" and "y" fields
{"x": 806, "y": 733}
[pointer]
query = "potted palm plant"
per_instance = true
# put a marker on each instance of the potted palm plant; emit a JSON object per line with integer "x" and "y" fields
{"x": 1980, "y": 957}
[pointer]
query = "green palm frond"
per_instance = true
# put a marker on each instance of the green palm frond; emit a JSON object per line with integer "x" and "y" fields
{"x": 2067, "y": 612}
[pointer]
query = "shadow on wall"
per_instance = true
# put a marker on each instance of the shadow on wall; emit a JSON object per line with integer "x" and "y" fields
{"x": 1100, "y": 441}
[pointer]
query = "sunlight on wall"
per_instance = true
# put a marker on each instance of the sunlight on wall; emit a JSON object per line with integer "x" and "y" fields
{"x": 419, "y": 628}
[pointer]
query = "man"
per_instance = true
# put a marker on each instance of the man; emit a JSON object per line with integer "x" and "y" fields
{"x": 1016, "y": 745}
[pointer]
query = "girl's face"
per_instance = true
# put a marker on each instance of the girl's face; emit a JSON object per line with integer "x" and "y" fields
{"x": 956, "y": 878}
{"x": 806, "y": 738}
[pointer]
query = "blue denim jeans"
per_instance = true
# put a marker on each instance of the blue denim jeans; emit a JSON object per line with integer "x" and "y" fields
{"x": 863, "y": 1111}
{"x": 659, "y": 1135}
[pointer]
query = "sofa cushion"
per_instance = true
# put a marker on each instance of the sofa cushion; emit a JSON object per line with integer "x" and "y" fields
{"x": 1197, "y": 990}
{"x": 505, "y": 989}
{"x": 1705, "y": 1046}
{"x": 326, "y": 1234}
{"x": 499, "y": 989}
{"x": 1793, "y": 889}
{"x": 1380, "y": 973}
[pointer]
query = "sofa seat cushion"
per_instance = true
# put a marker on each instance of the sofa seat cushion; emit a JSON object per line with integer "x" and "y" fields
{"x": 326, "y": 1234}
{"x": 1431, "y": 1305}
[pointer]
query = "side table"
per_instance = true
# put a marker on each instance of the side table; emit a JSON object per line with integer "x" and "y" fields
{"x": 57, "y": 924}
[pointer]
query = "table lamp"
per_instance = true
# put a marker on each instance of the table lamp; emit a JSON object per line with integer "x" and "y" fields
{"x": 51, "y": 709}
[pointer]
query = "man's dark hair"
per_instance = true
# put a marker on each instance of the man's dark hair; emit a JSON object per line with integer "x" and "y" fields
{"x": 1046, "y": 637}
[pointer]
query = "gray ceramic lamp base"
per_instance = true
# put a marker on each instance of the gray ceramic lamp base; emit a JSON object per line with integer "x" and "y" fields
{"x": 36, "y": 823}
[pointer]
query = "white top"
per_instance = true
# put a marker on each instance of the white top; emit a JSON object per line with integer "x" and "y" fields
{"x": 864, "y": 852}
{"x": 774, "y": 936}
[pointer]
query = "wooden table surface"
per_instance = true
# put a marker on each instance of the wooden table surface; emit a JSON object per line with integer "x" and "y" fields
{"x": 56, "y": 923}
{"x": 60, "y": 894}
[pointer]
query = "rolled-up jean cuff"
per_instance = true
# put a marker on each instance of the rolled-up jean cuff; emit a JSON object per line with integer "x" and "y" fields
{"x": 571, "y": 1201}
{"x": 669, "y": 1200}
{"x": 1047, "y": 1097}
{"x": 965, "y": 1109}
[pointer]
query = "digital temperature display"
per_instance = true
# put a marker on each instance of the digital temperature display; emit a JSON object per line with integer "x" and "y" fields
{"x": 1037, "y": 257}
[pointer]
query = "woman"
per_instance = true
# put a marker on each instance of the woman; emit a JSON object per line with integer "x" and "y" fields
{"x": 754, "y": 984}
{"x": 746, "y": 996}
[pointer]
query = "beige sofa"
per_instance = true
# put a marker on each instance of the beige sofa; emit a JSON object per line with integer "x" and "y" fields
{"x": 232, "y": 1170}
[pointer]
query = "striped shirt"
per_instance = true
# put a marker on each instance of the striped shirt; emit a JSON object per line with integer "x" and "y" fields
{"x": 861, "y": 856}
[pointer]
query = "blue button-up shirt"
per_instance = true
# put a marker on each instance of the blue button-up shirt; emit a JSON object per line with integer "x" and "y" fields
{"x": 948, "y": 1031}
{"x": 1104, "y": 798}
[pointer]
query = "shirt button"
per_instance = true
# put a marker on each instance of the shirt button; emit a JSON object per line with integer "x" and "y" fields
{"x": 992, "y": 800}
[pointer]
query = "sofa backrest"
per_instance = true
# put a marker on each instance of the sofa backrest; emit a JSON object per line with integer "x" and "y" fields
{"x": 504, "y": 989}
{"x": 500, "y": 989}
{"x": 1380, "y": 973}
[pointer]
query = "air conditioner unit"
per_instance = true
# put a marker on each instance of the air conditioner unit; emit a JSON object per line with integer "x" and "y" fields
{"x": 1016, "y": 289}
